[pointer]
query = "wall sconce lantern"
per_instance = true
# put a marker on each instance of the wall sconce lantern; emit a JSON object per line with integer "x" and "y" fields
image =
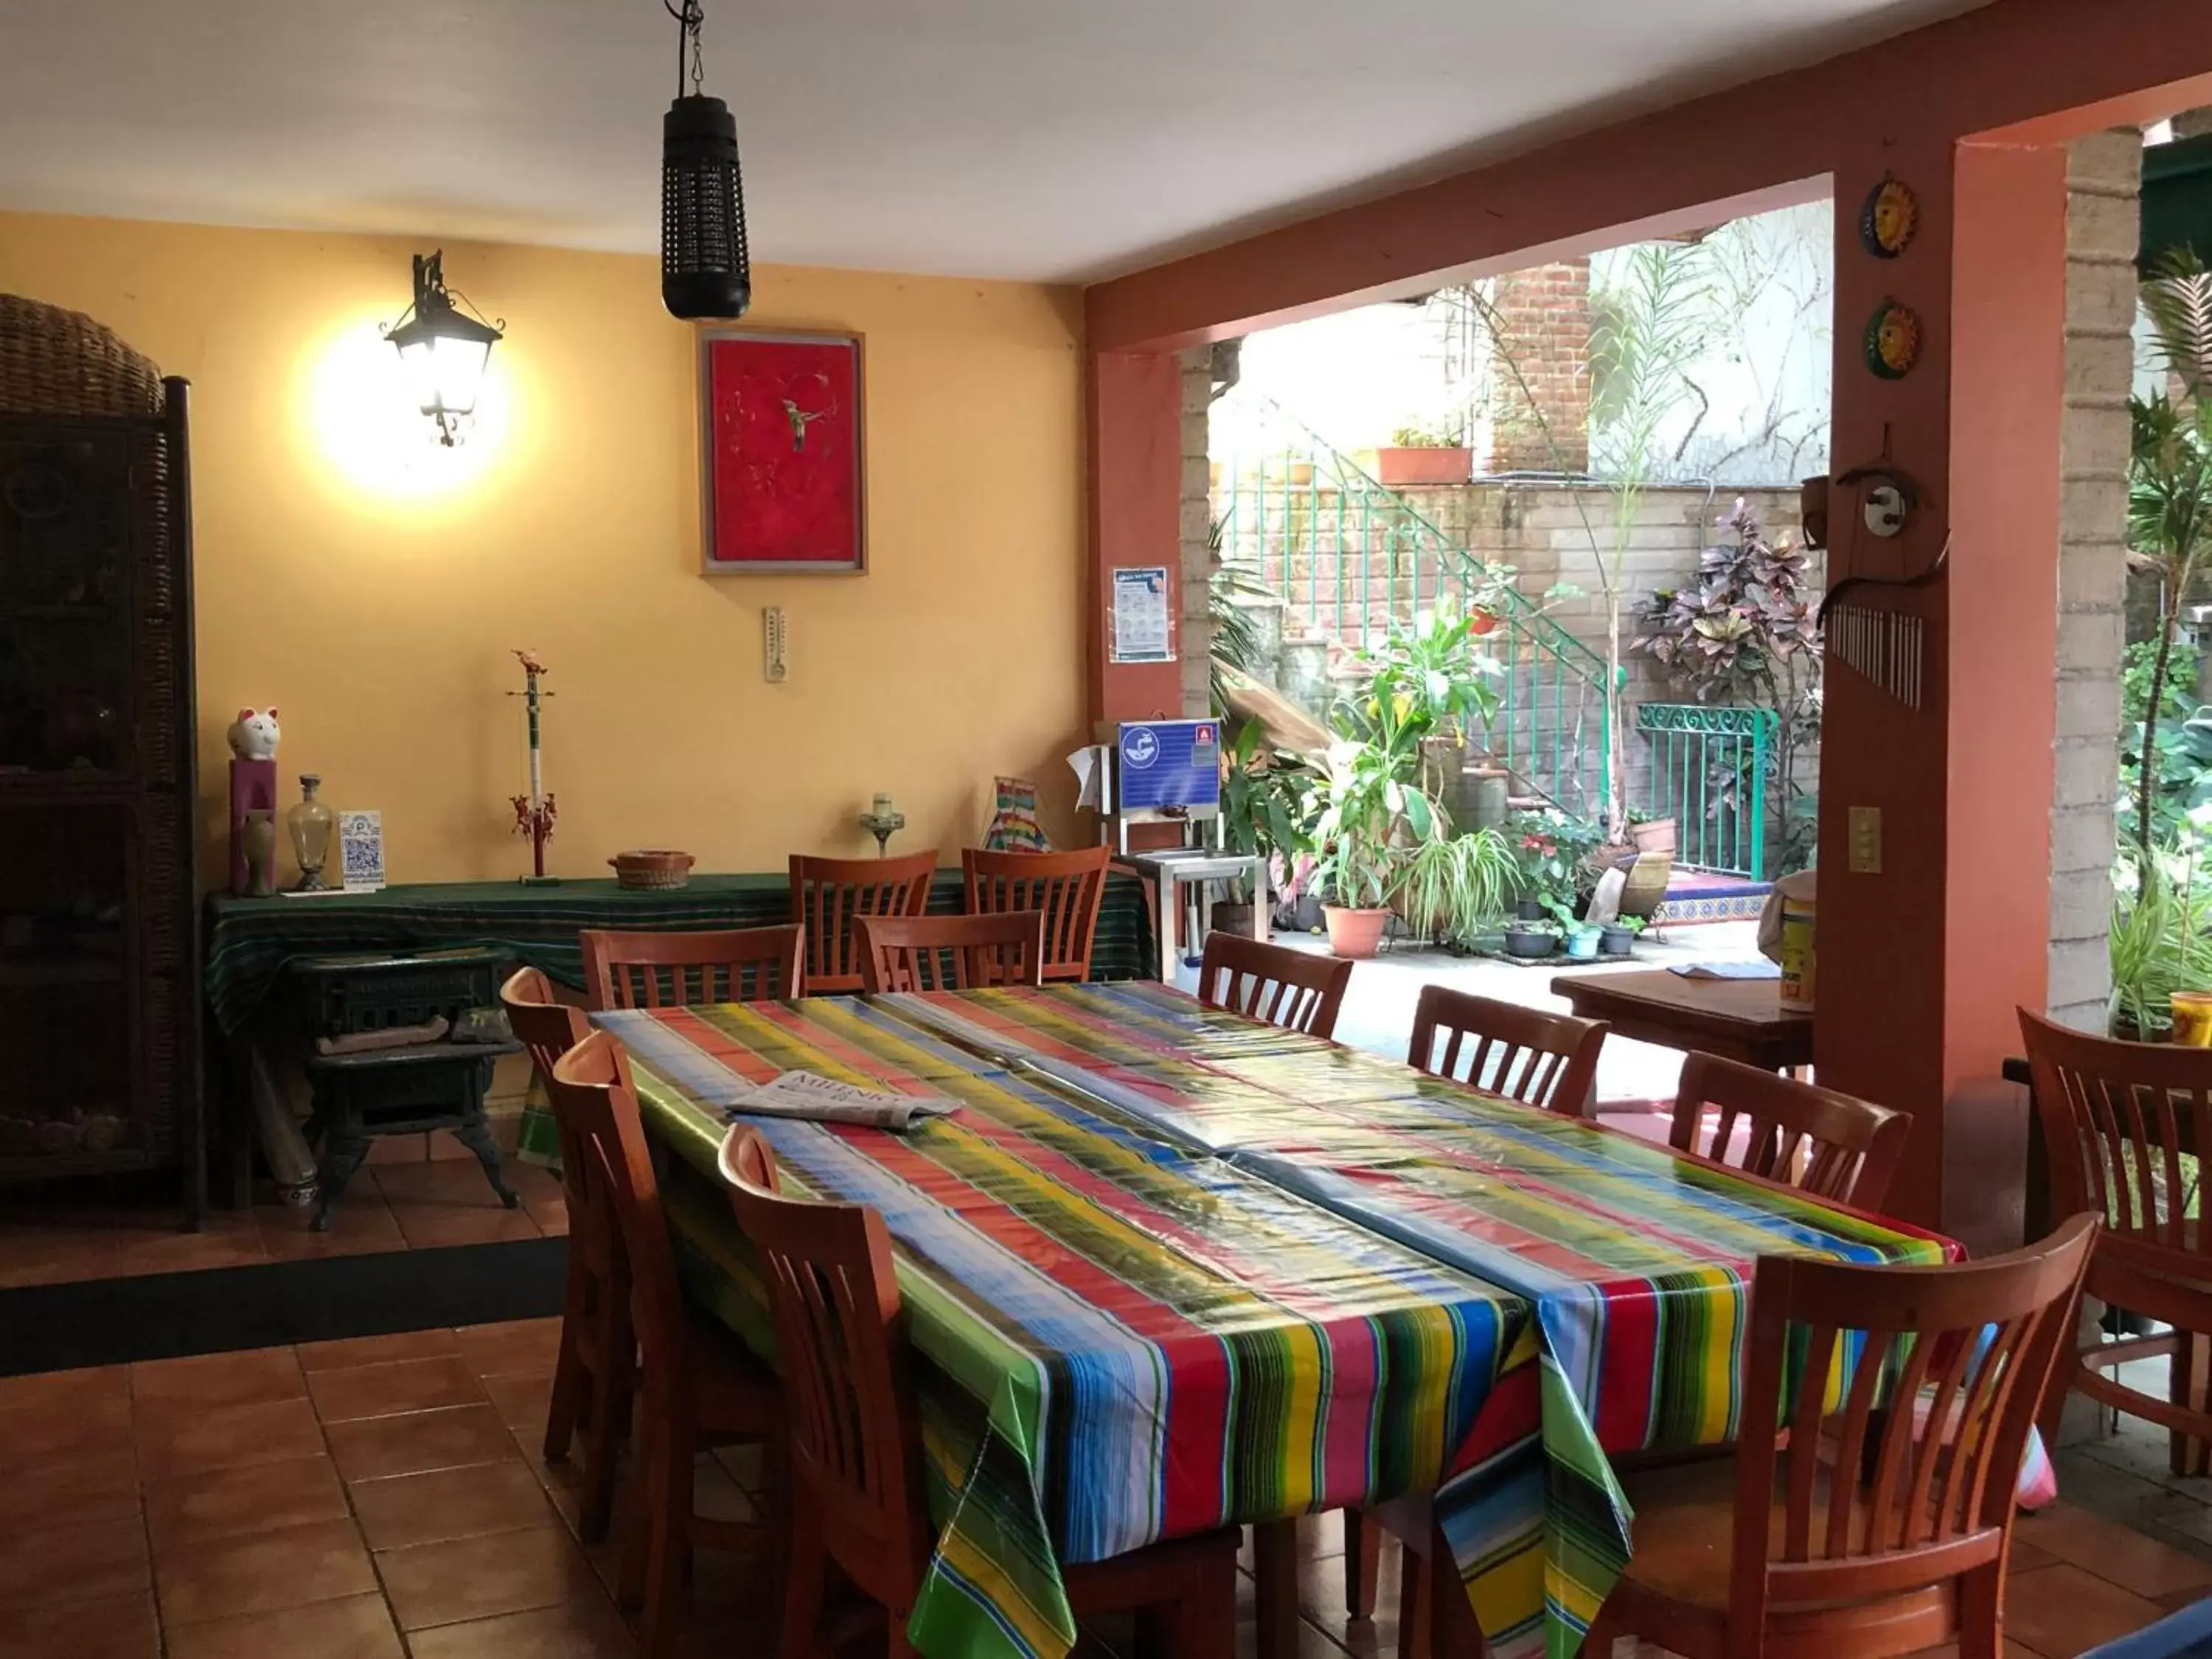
{"x": 706, "y": 270}
{"x": 442, "y": 349}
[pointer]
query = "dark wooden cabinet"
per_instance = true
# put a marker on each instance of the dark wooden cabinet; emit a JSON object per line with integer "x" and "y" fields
{"x": 99, "y": 1064}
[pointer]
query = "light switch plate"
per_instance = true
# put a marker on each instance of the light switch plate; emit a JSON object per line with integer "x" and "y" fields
{"x": 775, "y": 644}
{"x": 1866, "y": 840}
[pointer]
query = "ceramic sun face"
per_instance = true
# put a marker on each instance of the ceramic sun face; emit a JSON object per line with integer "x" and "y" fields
{"x": 1889, "y": 219}
{"x": 1893, "y": 340}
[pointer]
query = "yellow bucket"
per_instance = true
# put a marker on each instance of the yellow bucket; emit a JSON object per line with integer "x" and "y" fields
{"x": 1797, "y": 958}
{"x": 2192, "y": 1019}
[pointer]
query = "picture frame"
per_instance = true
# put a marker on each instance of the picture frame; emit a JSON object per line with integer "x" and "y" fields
{"x": 783, "y": 451}
{"x": 360, "y": 850}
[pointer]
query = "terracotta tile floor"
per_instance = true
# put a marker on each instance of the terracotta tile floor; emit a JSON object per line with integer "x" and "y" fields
{"x": 386, "y": 1496}
{"x": 416, "y": 1191}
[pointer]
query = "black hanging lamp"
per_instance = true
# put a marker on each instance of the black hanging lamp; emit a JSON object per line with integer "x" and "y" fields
{"x": 442, "y": 348}
{"x": 705, "y": 271}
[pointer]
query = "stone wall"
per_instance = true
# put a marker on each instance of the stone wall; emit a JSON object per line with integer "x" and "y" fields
{"x": 1196, "y": 644}
{"x": 2104, "y": 179}
{"x": 1550, "y": 534}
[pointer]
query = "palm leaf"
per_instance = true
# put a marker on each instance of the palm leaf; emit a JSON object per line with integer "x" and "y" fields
{"x": 2178, "y": 298}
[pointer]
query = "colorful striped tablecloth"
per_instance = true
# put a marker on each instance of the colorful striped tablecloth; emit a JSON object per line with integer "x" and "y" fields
{"x": 1122, "y": 1337}
{"x": 1637, "y": 1259}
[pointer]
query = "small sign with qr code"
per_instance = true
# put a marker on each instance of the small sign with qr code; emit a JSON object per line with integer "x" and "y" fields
{"x": 360, "y": 850}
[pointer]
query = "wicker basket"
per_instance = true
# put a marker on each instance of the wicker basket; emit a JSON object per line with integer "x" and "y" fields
{"x": 61, "y": 362}
{"x": 652, "y": 868}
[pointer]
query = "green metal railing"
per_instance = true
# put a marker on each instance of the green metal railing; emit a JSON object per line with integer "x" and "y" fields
{"x": 1349, "y": 557}
{"x": 1709, "y": 772}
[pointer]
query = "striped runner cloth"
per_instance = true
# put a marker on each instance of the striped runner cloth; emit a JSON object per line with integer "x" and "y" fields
{"x": 1637, "y": 1258}
{"x": 1123, "y": 1338}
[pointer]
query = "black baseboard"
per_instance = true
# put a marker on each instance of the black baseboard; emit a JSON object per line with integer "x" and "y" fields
{"x": 113, "y": 1321}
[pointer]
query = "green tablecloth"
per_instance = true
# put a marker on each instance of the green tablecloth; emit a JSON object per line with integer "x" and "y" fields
{"x": 249, "y": 941}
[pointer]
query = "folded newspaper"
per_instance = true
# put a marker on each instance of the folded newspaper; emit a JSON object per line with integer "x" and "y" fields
{"x": 807, "y": 1094}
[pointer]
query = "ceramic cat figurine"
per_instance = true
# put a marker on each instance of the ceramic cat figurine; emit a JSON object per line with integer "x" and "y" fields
{"x": 254, "y": 736}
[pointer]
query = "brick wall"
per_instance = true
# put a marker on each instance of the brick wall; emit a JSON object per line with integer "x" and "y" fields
{"x": 2104, "y": 180}
{"x": 1544, "y": 325}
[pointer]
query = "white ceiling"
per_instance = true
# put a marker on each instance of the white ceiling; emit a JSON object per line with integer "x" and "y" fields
{"x": 1041, "y": 139}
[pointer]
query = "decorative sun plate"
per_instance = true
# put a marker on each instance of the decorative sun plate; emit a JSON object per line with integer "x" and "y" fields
{"x": 1890, "y": 218}
{"x": 1893, "y": 340}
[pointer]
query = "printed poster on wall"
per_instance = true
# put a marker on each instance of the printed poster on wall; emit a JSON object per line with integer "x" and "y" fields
{"x": 1141, "y": 625}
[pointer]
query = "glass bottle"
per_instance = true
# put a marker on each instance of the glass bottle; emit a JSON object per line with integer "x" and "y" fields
{"x": 311, "y": 826}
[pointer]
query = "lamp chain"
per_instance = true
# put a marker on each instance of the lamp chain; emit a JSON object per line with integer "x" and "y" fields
{"x": 694, "y": 21}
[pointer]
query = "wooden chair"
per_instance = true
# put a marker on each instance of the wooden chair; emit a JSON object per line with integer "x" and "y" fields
{"x": 1832, "y": 1145}
{"x": 1294, "y": 989}
{"x": 2117, "y": 1118}
{"x": 1523, "y": 1053}
{"x": 1068, "y": 887}
{"x": 698, "y": 1385}
{"x": 827, "y": 894}
{"x": 856, "y": 1497}
{"x": 949, "y": 953}
{"x": 675, "y": 970}
{"x": 1904, "y": 1547}
{"x": 595, "y": 1375}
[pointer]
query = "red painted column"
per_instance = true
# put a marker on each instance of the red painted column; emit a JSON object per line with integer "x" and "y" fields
{"x": 1923, "y": 962}
{"x": 1136, "y": 472}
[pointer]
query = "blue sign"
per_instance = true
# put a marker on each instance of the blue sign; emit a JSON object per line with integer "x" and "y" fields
{"x": 1169, "y": 763}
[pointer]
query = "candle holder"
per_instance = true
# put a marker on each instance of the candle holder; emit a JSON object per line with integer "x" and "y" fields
{"x": 535, "y": 812}
{"x": 881, "y": 822}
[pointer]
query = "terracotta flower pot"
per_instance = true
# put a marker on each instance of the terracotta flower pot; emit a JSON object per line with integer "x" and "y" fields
{"x": 1396, "y": 467}
{"x": 1353, "y": 934}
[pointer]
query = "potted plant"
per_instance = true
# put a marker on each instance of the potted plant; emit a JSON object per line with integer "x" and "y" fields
{"x": 1421, "y": 455}
{"x": 1582, "y": 942}
{"x": 1372, "y": 825}
{"x": 1533, "y": 940}
{"x": 1265, "y": 805}
{"x": 1455, "y": 885}
{"x": 1617, "y": 938}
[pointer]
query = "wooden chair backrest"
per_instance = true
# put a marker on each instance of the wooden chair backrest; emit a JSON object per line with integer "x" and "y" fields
{"x": 1501, "y": 1049}
{"x": 1294, "y": 989}
{"x": 2117, "y": 1119}
{"x": 549, "y": 1030}
{"x": 1833, "y": 1145}
{"x": 1068, "y": 887}
{"x": 855, "y": 1439}
{"x": 593, "y": 1093}
{"x": 677, "y": 970}
{"x": 827, "y": 894}
{"x": 1938, "y": 1501}
{"x": 949, "y": 953}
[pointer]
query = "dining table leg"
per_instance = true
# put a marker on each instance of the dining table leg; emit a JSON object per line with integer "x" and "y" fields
{"x": 1275, "y": 1582}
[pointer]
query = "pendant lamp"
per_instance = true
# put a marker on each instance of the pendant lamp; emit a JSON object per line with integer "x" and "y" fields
{"x": 705, "y": 271}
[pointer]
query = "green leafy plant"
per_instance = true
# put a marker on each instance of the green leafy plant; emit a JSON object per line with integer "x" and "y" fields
{"x": 2160, "y": 943}
{"x": 2170, "y": 490}
{"x": 1267, "y": 800}
{"x": 1429, "y": 680}
{"x": 1556, "y": 852}
{"x": 1456, "y": 885}
{"x": 1440, "y": 436}
{"x": 2177, "y": 695}
{"x": 1371, "y": 823}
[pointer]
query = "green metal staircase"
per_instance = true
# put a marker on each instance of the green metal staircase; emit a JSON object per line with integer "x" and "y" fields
{"x": 1348, "y": 557}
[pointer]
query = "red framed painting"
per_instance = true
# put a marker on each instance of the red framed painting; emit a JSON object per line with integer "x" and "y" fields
{"x": 784, "y": 429}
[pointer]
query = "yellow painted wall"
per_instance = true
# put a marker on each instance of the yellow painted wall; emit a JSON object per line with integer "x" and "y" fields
{"x": 372, "y": 586}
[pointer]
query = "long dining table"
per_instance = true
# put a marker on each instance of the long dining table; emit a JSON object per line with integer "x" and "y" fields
{"x": 1167, "y": 1269}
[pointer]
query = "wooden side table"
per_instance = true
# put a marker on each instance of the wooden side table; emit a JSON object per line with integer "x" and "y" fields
{"x": 404, "y": 1089}
{"x": 1740, "y": 1019}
